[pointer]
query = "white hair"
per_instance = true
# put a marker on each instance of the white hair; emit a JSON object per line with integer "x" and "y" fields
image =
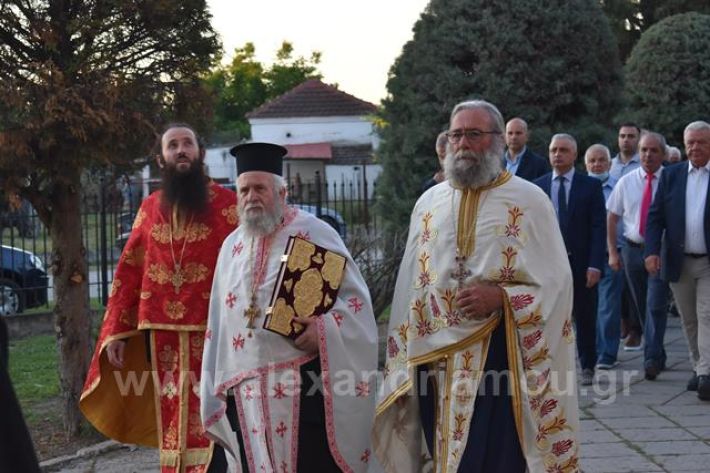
{"x": 696, "y": 126}
{"x": 597, "y": 147}
{"x": 565, "y": 136}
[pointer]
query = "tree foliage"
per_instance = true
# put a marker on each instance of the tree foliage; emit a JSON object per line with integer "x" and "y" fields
{"x": 553, "y": 63}
{"x": 630, "y": 18}
{"x": 245, "y": 84}
{"x": 668, "y": 75}
{"x": 82, "y": 83}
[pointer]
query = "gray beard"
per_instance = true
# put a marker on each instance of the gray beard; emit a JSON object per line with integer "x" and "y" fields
{"x": 477, "y": 172}
{"x": 261, "y": 225}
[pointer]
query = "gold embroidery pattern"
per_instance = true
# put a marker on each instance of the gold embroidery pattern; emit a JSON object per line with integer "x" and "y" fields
{"x": 145, "y": 295}
{"x": 333, "y": 269}
{"x": 134, "y": 256}
{"x": 423, "y": 326}
{"x": 230, "y": 213}
{"x": 532, "y": 320}
{"x": 115, "y": 286}
{"x": 197, "y": 343}
{"x": 160, "y": 232}
{"x": 191, "y": 273}
{"x": 426, "y": 277}
{"x": 175, "y": 310}
{"x": 301, "y": 254}
{"x": 567, "y": 332}
{"x": 308, "y": 293}
{"x": 170, "y": 438}
{"x": 195, "y": 424}
{"x": 140, "y": 216}
{"x": 168, "y": 359}
{"x": 129, "y": 316}
{"x": 169, "y": 390}
{"x": 427, "y": 234}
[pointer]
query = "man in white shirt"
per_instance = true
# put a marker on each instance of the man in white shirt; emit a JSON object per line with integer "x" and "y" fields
{"x": 630, "y": 200}
{"x": 681, "y": 216}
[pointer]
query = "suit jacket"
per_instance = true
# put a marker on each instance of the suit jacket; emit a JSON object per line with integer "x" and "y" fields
{"x": 665, "y": 226}
{"x": 531, "y": 166}
{"x": 585, "y": 234}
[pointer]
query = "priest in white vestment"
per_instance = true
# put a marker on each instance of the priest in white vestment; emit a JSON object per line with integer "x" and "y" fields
{"x": 480, "y": 371}
{"x": 274, "y": 403}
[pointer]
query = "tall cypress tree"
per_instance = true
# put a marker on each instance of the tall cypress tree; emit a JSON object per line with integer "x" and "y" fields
{"x": 553, "y": 62}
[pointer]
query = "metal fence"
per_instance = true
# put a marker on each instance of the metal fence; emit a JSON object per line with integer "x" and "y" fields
{"x": 25, "y": 282}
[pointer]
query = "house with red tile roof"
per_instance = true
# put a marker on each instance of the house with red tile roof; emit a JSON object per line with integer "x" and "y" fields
{"x": 325, "y": 130}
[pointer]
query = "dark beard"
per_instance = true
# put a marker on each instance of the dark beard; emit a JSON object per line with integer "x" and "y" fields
{"x": 187, "y": 190}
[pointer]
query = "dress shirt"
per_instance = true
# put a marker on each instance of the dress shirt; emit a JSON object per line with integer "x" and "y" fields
{"x": 555, "y": 187}
{"x": 619, "y": 169}
{"x": 625, "y": 200}
{"x": 512, "y": 165}
{"x": 696, "y": 192}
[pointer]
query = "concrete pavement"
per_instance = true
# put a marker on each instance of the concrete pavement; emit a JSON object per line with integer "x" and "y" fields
{"x": 628, "y": 424}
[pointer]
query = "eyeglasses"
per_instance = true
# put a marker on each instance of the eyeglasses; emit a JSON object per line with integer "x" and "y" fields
{"x": 473, "y": 135}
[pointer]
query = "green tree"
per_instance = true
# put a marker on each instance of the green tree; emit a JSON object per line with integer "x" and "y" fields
{"x": 245, "y": 84}
{"x": 630, "y": 18}
{"x": 553, "y": 63}
{"x": 668, "y": 75}
{"x": 81, "y": 85}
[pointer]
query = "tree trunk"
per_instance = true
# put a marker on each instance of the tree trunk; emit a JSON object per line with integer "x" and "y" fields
{"x": 72, "y": 315}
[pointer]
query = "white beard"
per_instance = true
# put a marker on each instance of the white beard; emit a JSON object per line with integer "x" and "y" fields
{"x": 260, "y": 224}
{"x": 476, "y": 171}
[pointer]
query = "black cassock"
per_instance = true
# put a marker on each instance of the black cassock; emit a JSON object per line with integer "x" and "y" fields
{"x": 313, "y": 451}
{"x": 493, "y": 445}
{"x": 16, "y": 451}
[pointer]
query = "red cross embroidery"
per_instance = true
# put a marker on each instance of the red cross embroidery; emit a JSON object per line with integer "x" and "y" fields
{"x": 355, "y": 304}
{"x": 284, "y": 467}
{"x": 281, "y": 429}
{"x": 304, "y": 235}
{"x": 338, "y": 318}
{"x": 365, "y": 456}
{"x": 248, "y": 392}
{"x": 238, "y": 342}
{"x": 279, "y": 391}
{"x": 362, "y": 389}
{"x": 237, "y": 249}
{"x": 230, "y": 300}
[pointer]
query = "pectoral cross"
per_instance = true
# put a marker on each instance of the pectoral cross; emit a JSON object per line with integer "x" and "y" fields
{"x": 177, "y": 278}
{"x": 461, "y": 272}
{"x": 251, "y": 313}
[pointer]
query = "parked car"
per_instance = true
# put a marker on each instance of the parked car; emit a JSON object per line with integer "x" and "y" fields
{"x": 23, "y": 281}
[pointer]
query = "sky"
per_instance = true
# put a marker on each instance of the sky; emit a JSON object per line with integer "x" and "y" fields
{"x": 359, "y": 40}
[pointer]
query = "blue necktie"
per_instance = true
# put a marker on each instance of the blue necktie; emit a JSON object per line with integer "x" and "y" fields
{"x": 562, "y": 203}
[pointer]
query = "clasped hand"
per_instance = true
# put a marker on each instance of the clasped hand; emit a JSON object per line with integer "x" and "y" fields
{"x": 478, "y": 300}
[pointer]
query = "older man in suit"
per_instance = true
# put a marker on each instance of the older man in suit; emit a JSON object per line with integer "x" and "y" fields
{"x": 579, "y": 201}
{"x": 677, "y": 243}
{"x": 519, "y": 159}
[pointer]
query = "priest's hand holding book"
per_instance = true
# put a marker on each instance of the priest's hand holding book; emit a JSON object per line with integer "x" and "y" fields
{"x": 308, "y": 339}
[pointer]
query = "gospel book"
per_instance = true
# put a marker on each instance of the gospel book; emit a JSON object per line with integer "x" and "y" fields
{"x": 307, "y": 285}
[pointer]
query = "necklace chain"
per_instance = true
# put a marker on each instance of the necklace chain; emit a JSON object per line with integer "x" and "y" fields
{"x": 178, "y": 277}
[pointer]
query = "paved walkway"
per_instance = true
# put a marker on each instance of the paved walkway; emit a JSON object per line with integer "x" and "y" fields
{"x": 629, "y": 425}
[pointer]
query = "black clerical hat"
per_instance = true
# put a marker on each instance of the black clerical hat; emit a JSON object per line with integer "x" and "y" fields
{"x": 266, "y": 157}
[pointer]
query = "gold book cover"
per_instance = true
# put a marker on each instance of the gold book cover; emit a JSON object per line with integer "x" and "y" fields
{"x": 307, "y": 285}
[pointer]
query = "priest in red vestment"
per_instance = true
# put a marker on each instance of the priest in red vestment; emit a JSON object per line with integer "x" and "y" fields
{"x": 143, "y": 382}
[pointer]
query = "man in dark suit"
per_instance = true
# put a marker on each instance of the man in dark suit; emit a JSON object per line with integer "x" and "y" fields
{"x": 579, "y": 201}
{"x": 677, "y": 243}
{"x": 518, "y": 159}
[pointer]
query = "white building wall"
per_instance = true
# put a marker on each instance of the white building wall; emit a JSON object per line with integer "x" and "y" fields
{"x": 220, "y": 164}
{"x": 287, "y": 131}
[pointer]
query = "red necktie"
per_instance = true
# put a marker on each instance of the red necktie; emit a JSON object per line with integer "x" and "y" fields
{"x": 646, "y": 203}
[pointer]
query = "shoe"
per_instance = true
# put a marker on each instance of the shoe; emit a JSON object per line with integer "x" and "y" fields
{"x": 692, "y": 383}
{"x": 651, "y": 371}
{"x": 633, "y": 343}
{"x": 607, "y": 366}
{"x": 624, "y": 329}
{"x": 704, "y": 388}
{"x": 588, "y": 377}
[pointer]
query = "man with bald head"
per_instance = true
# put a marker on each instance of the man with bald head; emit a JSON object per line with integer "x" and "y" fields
{"x": 630, "y": 201}
{"x": 579, "y": 202}
{"x": 519, "y": 159}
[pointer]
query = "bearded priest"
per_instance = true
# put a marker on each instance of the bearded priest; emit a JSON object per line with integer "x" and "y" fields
{"x": 480, "y": 372}
{"x": 287, "y": 403}
{"x": 142, "y": 383}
